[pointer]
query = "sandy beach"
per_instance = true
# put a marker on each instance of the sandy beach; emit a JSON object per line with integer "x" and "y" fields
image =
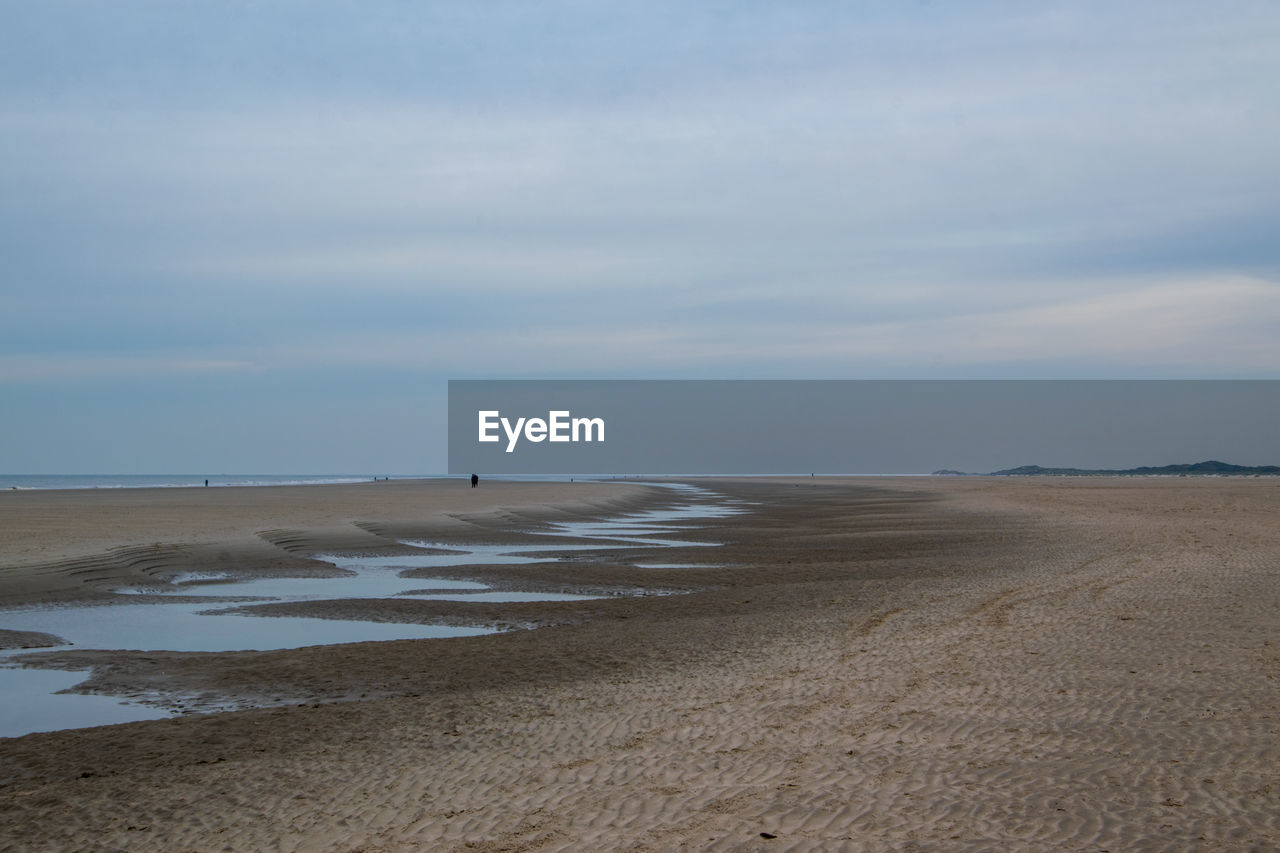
{"x": 862, "y": 664}
{"x": 55, "y": 542}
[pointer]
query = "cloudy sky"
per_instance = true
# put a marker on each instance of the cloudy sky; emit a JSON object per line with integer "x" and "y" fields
{"x": 260, "y": 236}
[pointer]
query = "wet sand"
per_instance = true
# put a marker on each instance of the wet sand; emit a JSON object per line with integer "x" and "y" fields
{"x": 60, "y": 544}
{"x": 945, "y": 664}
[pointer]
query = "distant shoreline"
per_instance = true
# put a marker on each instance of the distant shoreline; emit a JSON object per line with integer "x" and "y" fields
{"x": 1211, "y": 468}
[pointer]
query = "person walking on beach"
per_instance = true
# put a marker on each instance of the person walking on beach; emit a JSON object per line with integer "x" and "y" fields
{"x": 474, "y": 479}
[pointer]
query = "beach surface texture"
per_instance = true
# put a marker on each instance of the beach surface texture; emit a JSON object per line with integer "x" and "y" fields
{"x": 859, "y": 664}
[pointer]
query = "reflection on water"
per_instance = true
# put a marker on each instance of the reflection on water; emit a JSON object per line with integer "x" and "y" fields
{"x": 32, "y": 703}
{"x": 189, "y": 627}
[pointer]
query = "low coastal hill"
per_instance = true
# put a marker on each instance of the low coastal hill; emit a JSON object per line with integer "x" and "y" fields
{"x": 1211, "y": 466}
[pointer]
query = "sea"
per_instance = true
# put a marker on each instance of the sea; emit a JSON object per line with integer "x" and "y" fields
{"x": 182, "y": 481}
{"x": 179, "y": 481}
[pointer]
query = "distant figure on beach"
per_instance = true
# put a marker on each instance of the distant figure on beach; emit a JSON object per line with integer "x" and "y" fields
{"x": 474, "y": 479}
{"x": 206, "y": 484}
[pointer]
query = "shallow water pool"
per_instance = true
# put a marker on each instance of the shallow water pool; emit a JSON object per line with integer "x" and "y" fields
{"x": 208, "y": 625}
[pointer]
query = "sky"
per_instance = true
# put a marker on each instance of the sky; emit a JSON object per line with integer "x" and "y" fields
{"x": 261, "y": 236}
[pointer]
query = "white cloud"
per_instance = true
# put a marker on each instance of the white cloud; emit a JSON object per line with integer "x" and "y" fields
{"x": 60, "y": 366}
{"x": 1227, "y": 325}
{"x": 1231, "y": 324}
{"x": 959, "y": 181}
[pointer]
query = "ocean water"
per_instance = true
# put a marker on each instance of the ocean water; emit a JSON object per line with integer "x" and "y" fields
{"x": 182, "y": 481}
{"x": 171, "y": 481}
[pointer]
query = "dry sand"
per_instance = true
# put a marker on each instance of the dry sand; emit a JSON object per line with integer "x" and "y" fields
{"x": 932, "y": 664}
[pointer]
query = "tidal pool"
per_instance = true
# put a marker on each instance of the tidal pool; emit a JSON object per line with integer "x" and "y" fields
{"x": 33, "y": 702}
